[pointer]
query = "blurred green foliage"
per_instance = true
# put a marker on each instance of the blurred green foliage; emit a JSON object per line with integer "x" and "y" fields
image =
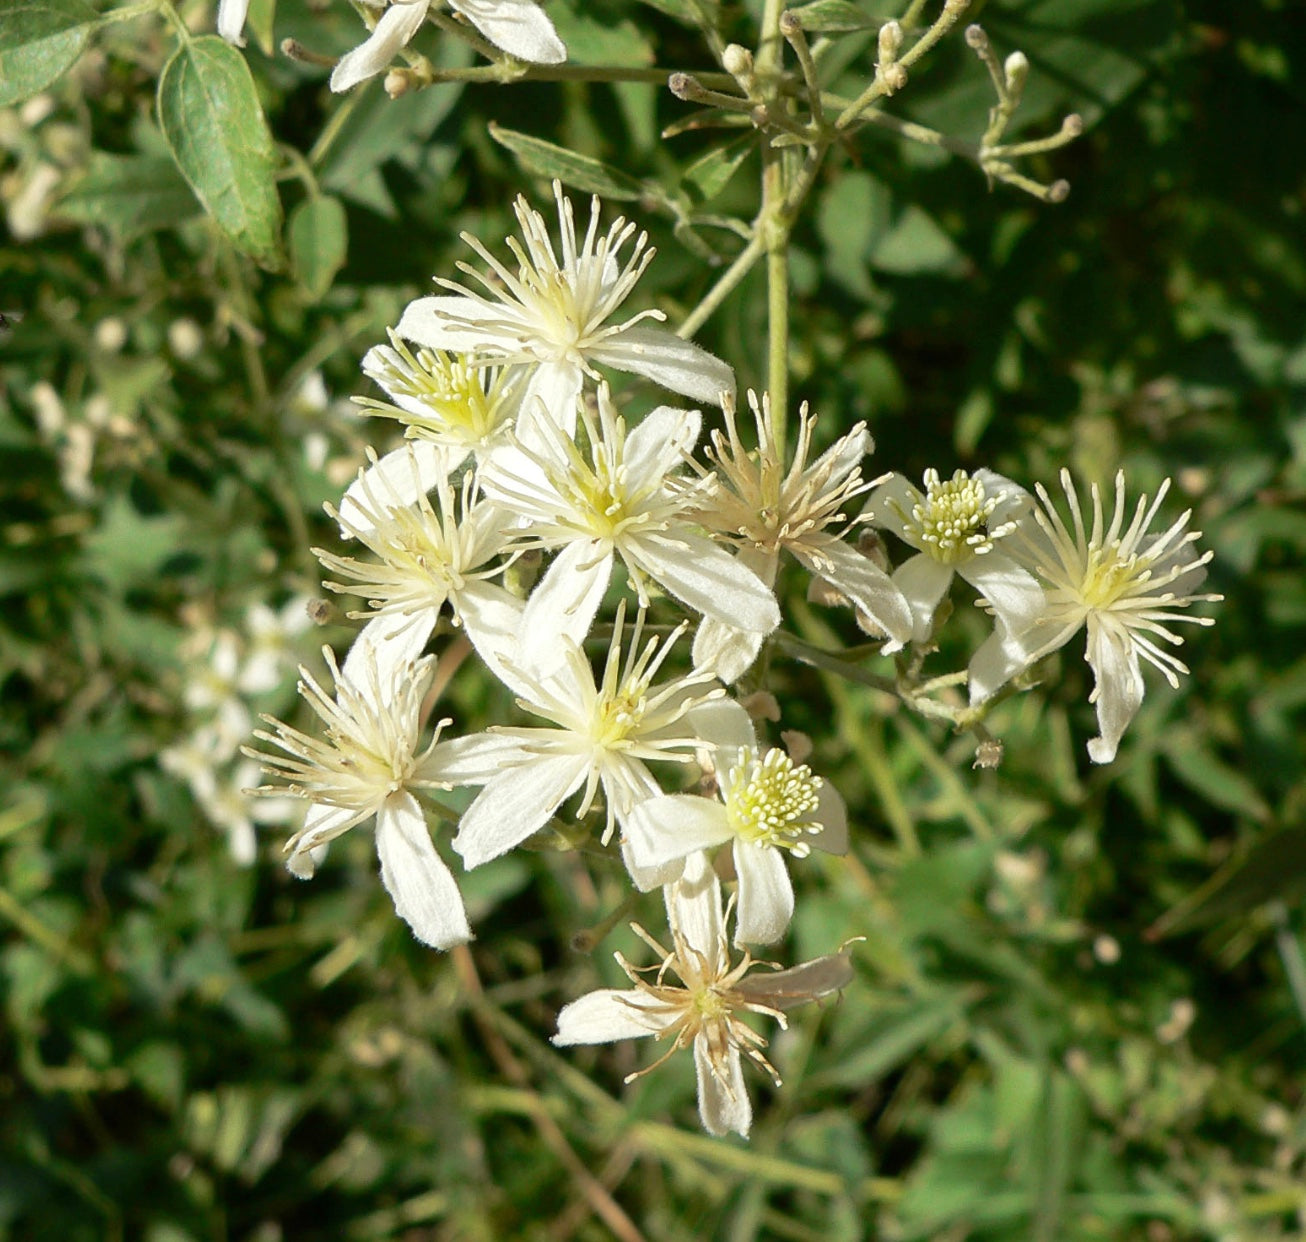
{"x": 1074, "y": 1016}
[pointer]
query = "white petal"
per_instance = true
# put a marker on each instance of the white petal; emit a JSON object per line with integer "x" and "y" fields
{"x": 475, "y": 759}
{"x": 809, "y": 981}
{"x": 492, "y": 619}
{"x": 607, "y": 1014}
{"x": 843, "y": 455}
{"x": 864, "y": 583}
{"x": 398, "y": 24}
{"x": 707, "y": 578}
{"x": 660, "y": 355}
{"x": 766, "y": 897}
{"x": 564, "y": 603}
{"x": 414, "y": 875}
{"x": 399, "y": 479}
{"x": 1015, "y": 499}
{"x": 657, "y": 446}
{"x": 1118, "y": 687}
{"x": 231, "y": 20}
{"x": 518, "y": 26}
{"x": 887, "y": 503}
{"x": 1003, "y": 654}
{"x": 392, "y": 640}
{"x": 667, "y": 828}
{"x": 723, "y": 723}
{"x": 723, "y": 1106}
{"x": 552, "y": 394}
{"x": 322, "y": 824}
{"x": 646, "y": 879}
{"x": 923, "y": 582}
{"x": 460, "y": 324}
{"x": 694, "y": 906}
{"x": 1013, "y": 593}
{"x": 515, "y": 804}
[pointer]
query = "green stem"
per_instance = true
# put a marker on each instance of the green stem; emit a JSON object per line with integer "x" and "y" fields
{"x": 737, "y": 270}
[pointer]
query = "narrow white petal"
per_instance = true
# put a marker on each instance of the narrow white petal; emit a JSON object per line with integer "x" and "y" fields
{"x": 707, "y": 578}
{"x": 322, "y": 824}
{"x": 923, "y": 582}
{"x": 515, "y": 804}
{"x": 1002, "y": 655}
{"x": 887, "y": 503}
{"x": 646, "y": 879}
{"x": 766, "y": 897}
{"x": 458, "y": 324}
{"x": 724, "y": 723}
{"x": 1013, "y": 593}
{"x": 477, "y": 758}
{"x": 519, "y": 27}
{"x": 492, "y": 619}
{"x": 607, "y": 1014}
{"x": 694, "y": 906}
{"x": 667, "y": 828}
{"x": 393, "y": 481}
{"x": 564, "y": 603}
{"x": 723, "y": 1103}
{"x": 864, "y": 583}
{"x": 392, "y": 639}
{"x": 398, "y": 24}
{"x": 414, "y": 875}
{"x": 231, "y": 20}
{"x": 1118, "y": 687}
{"x": 660, "y": 355}
{"x": 656, "y": 447}
{"x": 724, "y": 650}
{"x": 809, "y": 981}
{"x": 552, "y": 394}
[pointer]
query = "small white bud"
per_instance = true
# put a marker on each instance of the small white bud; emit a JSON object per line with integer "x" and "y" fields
{"x": 889, "y": 42}
{"x": 1016, "y": 69}
{"x": 737, "y": 61}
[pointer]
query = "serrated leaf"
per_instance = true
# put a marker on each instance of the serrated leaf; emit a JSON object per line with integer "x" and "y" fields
{"x": 707, "y": 176}
{"x": 318, "y": 235}
{"x": 581, "y": 172}
{"x": 216, "y": 131}
{"x": 40, "y": 40}
{"x": 130, "y": 194}
{"x": 833, "y": 17}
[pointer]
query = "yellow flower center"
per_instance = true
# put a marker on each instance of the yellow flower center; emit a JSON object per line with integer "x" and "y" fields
{"x": 951, "y": 523}
{"x": 772, "y": 801}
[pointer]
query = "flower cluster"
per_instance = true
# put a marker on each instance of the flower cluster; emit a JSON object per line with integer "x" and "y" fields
{"x": 523, "y": 508}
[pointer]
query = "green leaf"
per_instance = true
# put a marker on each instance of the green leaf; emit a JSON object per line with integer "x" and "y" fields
{"x": 40, "y": 40}
{"x": 581, "y": 172}
{"x": 1198, "y": 767}
{"x": 319, "y": 240}
{"x": 833, "y": 17}
{"x": 599, "y": 40}
{"x": 129, "y": 194}
{"x": 707, "y": 176}
{"x": 1274, "y": 868}
{"x": 215, "y": 129}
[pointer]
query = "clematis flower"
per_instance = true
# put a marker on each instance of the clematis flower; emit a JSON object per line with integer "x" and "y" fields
{"x": 554, "y": 316}
{"x": 1123, "y": 584}
{"x": 450, "y": 409}
{"x": 519, "y": 27}
{"x": 367, "y": 767}
{"x": 621, "y": 500}
{"x": 956, "y": 526}
{"x": 602, "y": 738}
{"x": 704, "y": 1009}
{"x": 429, "y": 556}
{"x": 766, "y": 510}
{"x": 767, "y": 806}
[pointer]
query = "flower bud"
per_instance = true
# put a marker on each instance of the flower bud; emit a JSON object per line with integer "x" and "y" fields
{"x": 1016, "y": 69}
{"x": 737, "y": 61}
{"x": 889, "y": 42}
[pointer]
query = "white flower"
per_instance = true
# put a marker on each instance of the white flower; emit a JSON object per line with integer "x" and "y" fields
{"x": 604, "y": 737}
{"x": 429, "y": 556}
{"x": 705, "y": 1008}
{"x": 214, "y": 688}
{"x": 767, "y": 806}
{"x": 451, "y": 410}
{"x": 519, "y": 27}
{"x": 367, "y": 768}
{"x": 955, "y": 527}
{"x": 1122, "y": 583}
{"x": 767, "y": 509}
{"x": 554, "y": 315}
{"x": 623, "y": 500}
